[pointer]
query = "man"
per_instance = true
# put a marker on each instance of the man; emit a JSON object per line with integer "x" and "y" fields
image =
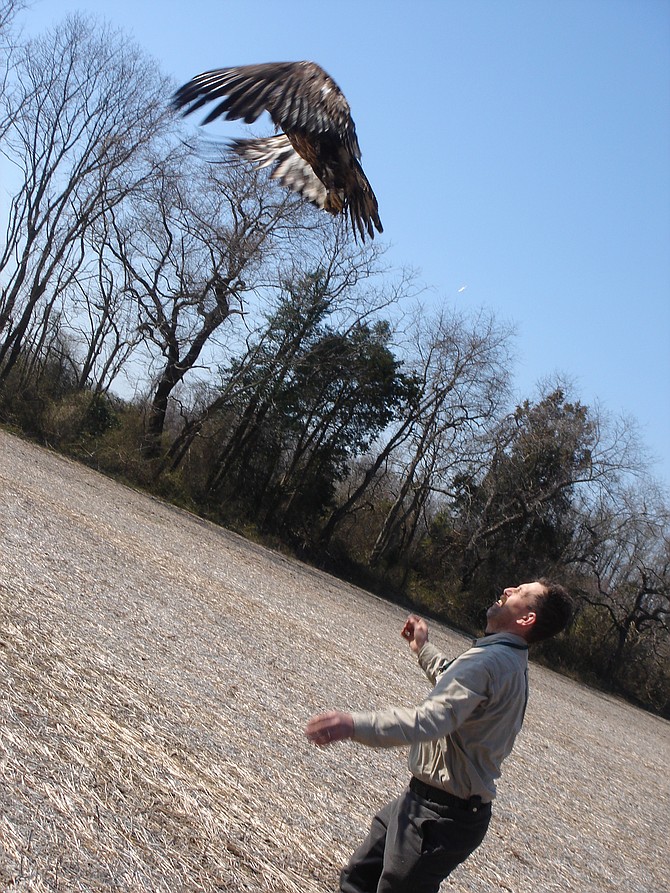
{"x": 458, "y": 738}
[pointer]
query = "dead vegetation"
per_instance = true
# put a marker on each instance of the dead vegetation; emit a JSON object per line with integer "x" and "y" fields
{"x": 155, "y": 676}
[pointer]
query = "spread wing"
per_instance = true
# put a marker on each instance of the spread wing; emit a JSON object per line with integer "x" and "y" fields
{"x": 298, "y": 96}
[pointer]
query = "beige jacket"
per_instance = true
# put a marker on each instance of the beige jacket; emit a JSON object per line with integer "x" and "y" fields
{"x": 465, "y": 728}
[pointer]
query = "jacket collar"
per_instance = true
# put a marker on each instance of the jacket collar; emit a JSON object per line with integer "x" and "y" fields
{"x": 502, "y": 638}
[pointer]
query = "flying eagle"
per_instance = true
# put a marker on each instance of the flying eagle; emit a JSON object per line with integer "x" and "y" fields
{"x": 316, "y": 154}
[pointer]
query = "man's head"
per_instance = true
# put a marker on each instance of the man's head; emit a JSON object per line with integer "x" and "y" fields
{"x": 535, "y": 611}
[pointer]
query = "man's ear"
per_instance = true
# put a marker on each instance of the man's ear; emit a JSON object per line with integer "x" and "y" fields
{"x": 527, "y": 620}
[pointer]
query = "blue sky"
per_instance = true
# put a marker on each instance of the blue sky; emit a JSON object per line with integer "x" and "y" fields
{"x": 519, "y": 149}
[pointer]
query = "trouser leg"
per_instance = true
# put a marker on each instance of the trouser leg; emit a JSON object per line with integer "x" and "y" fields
{"x": 412, "y": 846}
{"x": 362, "y": 873}
{"x": 426, "y": 842}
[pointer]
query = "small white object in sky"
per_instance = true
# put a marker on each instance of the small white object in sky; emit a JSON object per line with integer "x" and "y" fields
{"x": 462, "y": 289}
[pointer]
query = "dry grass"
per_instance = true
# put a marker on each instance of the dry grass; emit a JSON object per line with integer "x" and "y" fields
{"x": 155, "y": 676}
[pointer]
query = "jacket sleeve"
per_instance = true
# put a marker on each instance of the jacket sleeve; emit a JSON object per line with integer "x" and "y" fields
{"x": 459, "y": 691}
{"x": 431, "y": 661}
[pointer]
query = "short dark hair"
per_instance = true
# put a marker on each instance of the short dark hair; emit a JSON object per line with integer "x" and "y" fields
{"x": 553, "y": 611}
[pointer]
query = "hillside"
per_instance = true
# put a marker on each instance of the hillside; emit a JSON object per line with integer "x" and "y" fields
{"x": 155, "y": 676}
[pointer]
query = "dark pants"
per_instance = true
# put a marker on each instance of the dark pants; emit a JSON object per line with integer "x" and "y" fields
{"x": 413, "y": 844}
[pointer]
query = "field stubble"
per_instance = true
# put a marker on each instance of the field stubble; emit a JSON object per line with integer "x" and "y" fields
{"x": 156, "y": 673}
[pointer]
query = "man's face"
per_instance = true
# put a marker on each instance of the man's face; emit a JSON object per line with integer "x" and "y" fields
{"x": 513, "y": 609}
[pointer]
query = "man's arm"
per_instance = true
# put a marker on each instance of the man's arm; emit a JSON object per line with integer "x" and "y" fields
{"x": 456, "y": 696}
{"x": 327, "y": 728}
{"x": 431, "y": 660}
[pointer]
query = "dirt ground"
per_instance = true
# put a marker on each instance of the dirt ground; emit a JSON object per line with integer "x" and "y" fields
{"x": 156, "y": 673}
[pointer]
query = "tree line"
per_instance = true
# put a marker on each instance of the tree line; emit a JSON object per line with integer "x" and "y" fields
{"x": 172, "y": 318}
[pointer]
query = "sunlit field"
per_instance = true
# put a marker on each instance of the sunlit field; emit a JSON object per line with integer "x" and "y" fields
{"x": 156, "y": 673}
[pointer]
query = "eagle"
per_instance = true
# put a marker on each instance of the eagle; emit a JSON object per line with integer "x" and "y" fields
{"x": 315, "y": 151}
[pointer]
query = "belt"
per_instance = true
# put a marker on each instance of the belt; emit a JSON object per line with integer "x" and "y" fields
{"x": 444, "y": 798}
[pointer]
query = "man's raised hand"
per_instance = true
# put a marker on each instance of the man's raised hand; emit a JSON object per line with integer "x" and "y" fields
{"x": 415, "y": 631}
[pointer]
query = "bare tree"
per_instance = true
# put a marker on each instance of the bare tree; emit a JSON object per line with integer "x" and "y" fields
{"x": 195, "y": 242}
{"x": 516, "y": 514}
{"x": 460, "y": 379}
{"x": 299, "y": 244}
{"x": 621, "y": 566}
{"x": 463, "y": 372}
{"x": 9, "y": 9}
{"x": 85, "y": 108}
{"x": 100, "y": 319}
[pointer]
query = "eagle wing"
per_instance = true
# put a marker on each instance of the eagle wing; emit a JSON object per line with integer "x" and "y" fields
{"x": 298, "y": 96}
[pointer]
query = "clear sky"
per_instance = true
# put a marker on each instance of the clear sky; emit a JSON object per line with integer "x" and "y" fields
{"x": 519, "y": 150}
